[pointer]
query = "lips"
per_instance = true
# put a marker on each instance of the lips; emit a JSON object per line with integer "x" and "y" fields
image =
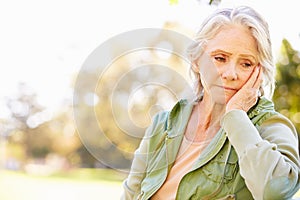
{"x": 227, "y": 88}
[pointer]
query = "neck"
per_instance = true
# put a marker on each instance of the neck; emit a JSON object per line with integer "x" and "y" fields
{"x": 210, "y": 112}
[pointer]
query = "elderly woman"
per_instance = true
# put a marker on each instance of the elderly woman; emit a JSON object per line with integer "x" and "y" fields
{"x": 230, "y": 143}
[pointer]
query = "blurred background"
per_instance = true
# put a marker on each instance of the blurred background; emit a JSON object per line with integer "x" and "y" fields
{"x": 43, "y": 46}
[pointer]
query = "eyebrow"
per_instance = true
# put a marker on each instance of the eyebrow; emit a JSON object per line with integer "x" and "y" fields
{"x": 227, "y": 53}
{"x": 248, "y": 55}
{"x": 220, "y": 51}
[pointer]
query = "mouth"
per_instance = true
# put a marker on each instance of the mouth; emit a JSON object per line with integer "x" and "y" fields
{"x": 227, "y": 88}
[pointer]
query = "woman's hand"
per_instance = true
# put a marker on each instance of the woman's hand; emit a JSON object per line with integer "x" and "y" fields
{"x": 247, "y": 96}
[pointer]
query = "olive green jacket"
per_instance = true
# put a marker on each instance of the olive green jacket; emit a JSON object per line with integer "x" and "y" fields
{"x": 253, "y": 156}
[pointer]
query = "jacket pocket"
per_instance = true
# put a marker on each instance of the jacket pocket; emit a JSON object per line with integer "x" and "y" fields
{"x": 222, "y": 168}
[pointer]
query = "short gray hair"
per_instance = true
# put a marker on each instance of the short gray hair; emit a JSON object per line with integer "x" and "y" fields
{"x": 245, "y": 16}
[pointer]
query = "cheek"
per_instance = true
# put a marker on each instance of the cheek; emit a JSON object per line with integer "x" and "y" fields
{"x": 209, "y": 73}
{"x": 244, "y": 76}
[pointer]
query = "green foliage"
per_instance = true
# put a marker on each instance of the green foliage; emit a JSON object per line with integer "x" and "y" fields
{"x": 216, "y": 2}
{"x": 173, "y": 2}
{"x": 211, "y": 2}
{"x": 287, "y": 93}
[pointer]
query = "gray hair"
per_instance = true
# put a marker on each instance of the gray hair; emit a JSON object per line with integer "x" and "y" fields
{"x": 247, "y": 17}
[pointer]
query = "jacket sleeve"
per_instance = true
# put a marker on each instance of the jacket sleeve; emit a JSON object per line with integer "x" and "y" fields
{"x": 268, "y": 155}
{"x": 132, "y": 184}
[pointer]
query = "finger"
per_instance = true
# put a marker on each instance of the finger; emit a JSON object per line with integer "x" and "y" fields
{"x": 252, "y": 79}
{"x": 259, "y": 79}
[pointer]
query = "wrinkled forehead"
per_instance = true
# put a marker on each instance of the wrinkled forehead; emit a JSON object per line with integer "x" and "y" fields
{"x": 233, "y": 39}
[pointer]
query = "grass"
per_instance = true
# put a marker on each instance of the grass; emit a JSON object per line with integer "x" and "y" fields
{"x": 86, "y": 174}
{"x": 80, "y": 184}
{"x": 74, "y": 185}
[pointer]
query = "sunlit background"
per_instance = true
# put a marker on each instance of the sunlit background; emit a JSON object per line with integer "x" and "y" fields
{"x": 44, "y": 44}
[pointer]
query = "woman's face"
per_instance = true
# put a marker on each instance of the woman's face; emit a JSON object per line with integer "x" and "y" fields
{"x": 227, "y": 62}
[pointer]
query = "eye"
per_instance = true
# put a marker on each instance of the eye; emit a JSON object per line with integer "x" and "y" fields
{"x": 247, "y": 64}
{"x": 220, "y": 58}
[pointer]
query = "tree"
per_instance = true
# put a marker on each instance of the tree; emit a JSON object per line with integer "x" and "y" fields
{"x": 25, "y": 122}
{"x": 33, "y": 133}
{"x": 112, "y": 116}
{"x": 211, "y": 2}
{"x": 287, "y": 93}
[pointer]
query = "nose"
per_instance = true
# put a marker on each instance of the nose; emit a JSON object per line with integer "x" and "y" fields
{"x": 229, "y": 72}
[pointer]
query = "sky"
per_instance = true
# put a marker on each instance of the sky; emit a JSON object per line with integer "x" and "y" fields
{"x": 43, "y": 43}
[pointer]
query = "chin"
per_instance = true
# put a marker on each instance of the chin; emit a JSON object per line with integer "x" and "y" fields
{"x": 219, "y": 96}
{"x": 221, "y": 99}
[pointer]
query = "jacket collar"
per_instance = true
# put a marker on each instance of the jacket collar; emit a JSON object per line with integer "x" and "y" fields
{"x": 262, "y": 105}
{"x": 178, "y": 118}
{"x": 180, "y": 114}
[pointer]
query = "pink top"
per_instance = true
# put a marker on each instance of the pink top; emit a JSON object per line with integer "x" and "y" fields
{"x": 188, "y": 153}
